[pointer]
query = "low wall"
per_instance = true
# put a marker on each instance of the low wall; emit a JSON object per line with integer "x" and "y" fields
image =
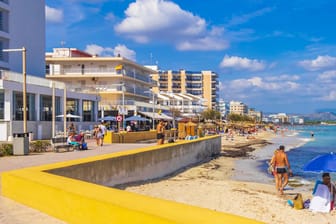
{"x": 134, "y": 137}
{"x": 143, "y": 165}
{"x": 77, "y": 201}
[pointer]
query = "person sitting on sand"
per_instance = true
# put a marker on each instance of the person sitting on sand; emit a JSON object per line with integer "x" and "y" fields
{"x": 324, "y": 195}
{"x": 282, "y": 168}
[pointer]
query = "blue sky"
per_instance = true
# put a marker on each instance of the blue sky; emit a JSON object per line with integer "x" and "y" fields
{"x": 275, "y": 56}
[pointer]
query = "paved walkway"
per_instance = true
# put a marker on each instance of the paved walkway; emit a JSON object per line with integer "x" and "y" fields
{"x": 12, "y": 212}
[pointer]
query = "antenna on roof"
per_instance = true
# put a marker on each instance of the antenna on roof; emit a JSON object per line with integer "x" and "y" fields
{"x": 63, "y": 43}
{"x": 151, "y": 58}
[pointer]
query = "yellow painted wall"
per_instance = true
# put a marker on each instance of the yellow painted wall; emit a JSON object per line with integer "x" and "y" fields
{"x": 81, "y": 202}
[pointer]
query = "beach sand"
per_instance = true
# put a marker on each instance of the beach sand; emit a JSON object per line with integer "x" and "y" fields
{"x": 209, "y": 185}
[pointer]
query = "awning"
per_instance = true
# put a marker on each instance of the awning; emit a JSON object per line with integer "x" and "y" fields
{"x": 156, "y": 116}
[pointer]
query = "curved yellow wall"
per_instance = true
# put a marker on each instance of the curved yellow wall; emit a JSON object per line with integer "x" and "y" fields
{"x": 76, "y": 201}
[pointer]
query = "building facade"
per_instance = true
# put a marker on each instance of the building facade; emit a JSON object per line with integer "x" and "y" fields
{"x": 203, "y": 84}
{"x": 40, "y": 109}
{"x": 22, "y": 24}
{"x": 237, "y": 107}
{"x": 123, "y": 85}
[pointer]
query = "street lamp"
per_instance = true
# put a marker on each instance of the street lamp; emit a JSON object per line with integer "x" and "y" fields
{"x": 153, "y": 95}
{"x": 123, "y": 103}
{"x": 24, "y": 53}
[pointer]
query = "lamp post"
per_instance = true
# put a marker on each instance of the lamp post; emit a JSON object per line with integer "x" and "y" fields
{"x": 123, "y": 103}
{"x": 153, "y": 106}
{"x": 24, "y": 66}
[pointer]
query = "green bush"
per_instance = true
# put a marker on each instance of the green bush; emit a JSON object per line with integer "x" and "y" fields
{"x": 6, "y": 149}
{"x": 39, "y": 146}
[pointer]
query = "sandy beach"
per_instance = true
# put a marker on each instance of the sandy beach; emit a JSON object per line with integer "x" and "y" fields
{"x": 210, "y": 185}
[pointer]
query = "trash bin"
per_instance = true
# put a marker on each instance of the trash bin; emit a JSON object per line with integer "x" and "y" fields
{"x": 20, "y": 143}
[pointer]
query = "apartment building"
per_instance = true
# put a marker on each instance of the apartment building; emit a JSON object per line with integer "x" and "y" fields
{"x": 123, "y": 85}
{"x": 203, "y": 84}
{"x": 22, "y": 24}
{"x": 256, "y": 115}
{"x": 237, "y": 107}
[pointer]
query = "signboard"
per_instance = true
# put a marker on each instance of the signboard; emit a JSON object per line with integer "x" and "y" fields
{"x": 119, "y": 118}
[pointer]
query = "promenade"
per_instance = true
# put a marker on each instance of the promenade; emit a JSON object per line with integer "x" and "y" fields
{"x": 15, "y": 213}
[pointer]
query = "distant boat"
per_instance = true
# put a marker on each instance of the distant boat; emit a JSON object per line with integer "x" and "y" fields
{"x": 325, "y": 123}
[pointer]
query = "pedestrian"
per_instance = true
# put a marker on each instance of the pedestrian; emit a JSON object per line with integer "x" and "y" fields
{"x": 282, "y": 169}
{"x": 160, "y": 132}
{"x": 272, "y": 168}
{"x": 103, "y": 131}
{"x": 97, "y": 133}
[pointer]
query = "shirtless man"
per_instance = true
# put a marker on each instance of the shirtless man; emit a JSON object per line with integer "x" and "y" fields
{"x": 282, "y": 168}
{"x": 160, "y": 132}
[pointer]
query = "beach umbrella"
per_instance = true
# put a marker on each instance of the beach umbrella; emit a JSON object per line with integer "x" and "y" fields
{"x": 108, "y": 118}
{"x": 136, "y": 118}
{"x": 68, "y": 115}
{"x": 322, "y": 163}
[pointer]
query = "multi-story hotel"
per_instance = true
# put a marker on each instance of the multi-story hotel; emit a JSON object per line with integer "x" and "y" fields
{"x": 22, "y": 24}
{"x": 237, "y": 107}
{"x": 123, "y": 85}
{"x": 202, "y": 84}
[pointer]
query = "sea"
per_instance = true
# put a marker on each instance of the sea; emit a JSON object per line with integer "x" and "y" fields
{"x": 300, "y": 146}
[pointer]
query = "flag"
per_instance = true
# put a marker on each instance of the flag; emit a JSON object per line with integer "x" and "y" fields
{"x": 118, "y": 67}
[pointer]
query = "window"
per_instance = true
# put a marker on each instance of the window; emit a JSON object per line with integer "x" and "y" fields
{"x": 72, "y": 107}
{"x": 2, "y": 104}
{"x": 18, "y": 106}
{"x": 46, "y": 107}
{"x": 88, "y": 110}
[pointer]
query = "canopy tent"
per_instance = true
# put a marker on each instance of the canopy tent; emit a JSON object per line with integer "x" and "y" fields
{"x": 136, "y": 118}
{"x": 156, "y": 116}
{"x": 68, "y": 115}
{"x": 108, "y": 118}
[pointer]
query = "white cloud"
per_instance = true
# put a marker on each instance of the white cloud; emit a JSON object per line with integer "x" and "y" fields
{"x": 327, "y": 76}
{"x": 110, "y": 17}
{"x": 165, "y": 21}
{"x": 330, "y": 97}
{"x": 121, "y": 50}
{"x": 320, "y": 63}
{"x": 237, "y": 20}
{"x": 238, "y": 63}
{"x": 53, "y": 15}
{"x": 283, "y": 77}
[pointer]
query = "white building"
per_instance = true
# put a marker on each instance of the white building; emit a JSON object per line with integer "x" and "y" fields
{"x": 237, "y": 107}
{"x": 121, "y": 83}
{"x": 22, "y": 24}
{"x": 39, "y": 106}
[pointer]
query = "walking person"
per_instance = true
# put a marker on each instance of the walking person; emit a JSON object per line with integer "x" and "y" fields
{"x": 103, "y": 131}
{"x": 98, "y": 135}
{"x": 160, "y": 132}
{"x": 272, "y": 166}
{"x": 282, "y": 168}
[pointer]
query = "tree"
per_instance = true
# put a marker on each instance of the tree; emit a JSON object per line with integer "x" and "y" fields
{"x": 210, "y": 114}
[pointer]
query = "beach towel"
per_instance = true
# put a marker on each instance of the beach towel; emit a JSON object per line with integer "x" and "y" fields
{"x": 321, "y": 199}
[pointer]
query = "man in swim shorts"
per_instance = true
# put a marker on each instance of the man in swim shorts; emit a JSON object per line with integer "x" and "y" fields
{"x": 282, "y": 168}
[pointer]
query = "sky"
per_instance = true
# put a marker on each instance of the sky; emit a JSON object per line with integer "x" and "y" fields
{"x": 273, "y": 55}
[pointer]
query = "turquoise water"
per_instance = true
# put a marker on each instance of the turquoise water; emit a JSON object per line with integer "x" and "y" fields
{"x": 300, "y": 148}
{"x": 324, "y": 141}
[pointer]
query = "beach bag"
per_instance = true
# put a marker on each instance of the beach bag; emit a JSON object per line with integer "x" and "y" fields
{"x": 84, "y": 146}
{"x": 298, "y": 201}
